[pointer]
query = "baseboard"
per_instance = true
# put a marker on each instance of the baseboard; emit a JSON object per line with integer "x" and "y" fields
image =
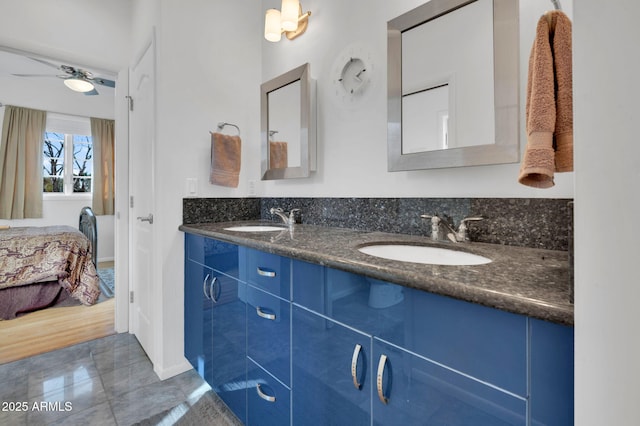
{"x": 174, "y": 370}
{"x": 106, "y": 259}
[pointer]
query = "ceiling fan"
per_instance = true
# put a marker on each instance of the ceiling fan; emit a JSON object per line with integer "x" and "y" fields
{"x": 74, "y": 78}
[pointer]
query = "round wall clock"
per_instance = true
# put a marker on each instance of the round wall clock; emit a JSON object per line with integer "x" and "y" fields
{"x": 352, "y": 74}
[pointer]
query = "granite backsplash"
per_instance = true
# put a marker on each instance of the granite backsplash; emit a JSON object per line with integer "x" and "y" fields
{"x": 527, "y": 222}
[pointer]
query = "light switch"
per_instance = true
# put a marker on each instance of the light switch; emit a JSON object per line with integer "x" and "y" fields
{"x": 191, "y": 189}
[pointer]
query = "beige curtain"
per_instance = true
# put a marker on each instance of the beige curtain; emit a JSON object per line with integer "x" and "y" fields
{"x": 21, "y": 163}
{"x": 102, "y": 133}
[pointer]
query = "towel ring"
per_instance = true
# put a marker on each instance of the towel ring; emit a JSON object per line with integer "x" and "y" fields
{"x": 222, "y": 124}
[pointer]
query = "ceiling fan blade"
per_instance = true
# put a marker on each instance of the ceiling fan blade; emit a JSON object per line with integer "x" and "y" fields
{"x": 35, "y": 75}
{"x": 92, "y": 92}
{"x": 104, "y": 82}
{"x": 42, "y": 61}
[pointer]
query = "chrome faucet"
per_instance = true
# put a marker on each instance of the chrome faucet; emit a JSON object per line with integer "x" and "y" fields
{"x": 460, "y": 235}
{"x": 288, "y": 220}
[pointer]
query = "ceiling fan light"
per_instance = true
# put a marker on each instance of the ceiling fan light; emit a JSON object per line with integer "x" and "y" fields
{"x": 79, "y": 85}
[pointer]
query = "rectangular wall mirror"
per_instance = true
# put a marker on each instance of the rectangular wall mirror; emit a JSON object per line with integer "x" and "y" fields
{"x": 453, "y": 85}
{"x": 288, "y": 125}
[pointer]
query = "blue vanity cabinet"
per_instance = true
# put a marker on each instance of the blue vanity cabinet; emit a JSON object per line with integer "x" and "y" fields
{"x": 284, "y": 341}
{"x": 215, "y": 319}
{"x": 411, "y": 390}
{"x": 331, "y": 372}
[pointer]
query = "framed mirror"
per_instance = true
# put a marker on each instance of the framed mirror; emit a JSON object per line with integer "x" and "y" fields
{"x": 288, "y": 125}
{"x": 453, "y": 85}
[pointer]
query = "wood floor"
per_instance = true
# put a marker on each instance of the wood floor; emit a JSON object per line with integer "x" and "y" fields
{"x": 54, "y": 328}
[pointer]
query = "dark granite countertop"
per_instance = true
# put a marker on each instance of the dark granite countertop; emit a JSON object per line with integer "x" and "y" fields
{"x": 525, "y": 281}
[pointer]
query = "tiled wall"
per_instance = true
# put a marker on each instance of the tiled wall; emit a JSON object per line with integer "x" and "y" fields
{"x": 528, "y": 222}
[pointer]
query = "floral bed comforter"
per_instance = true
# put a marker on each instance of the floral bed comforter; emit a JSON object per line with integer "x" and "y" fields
{"x": 37, "y": 254}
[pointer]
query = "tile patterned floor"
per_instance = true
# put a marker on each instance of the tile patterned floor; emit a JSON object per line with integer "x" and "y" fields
{"x": 108, "y": 381}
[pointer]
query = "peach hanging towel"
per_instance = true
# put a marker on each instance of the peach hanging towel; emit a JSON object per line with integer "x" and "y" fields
{"x": 549, "y": 109}
{"x": 226, "y": 156}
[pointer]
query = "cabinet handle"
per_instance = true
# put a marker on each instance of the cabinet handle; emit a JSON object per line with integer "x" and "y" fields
{"x": 214, "y": 290}
{"x": 354, "y": 366}
{"x": 381, "y": 366}
{"x": 265, "y": 315}
{"x": 263, "y": 395}
{"x": 204, "y": 287}
{"x": 266, "y": 273}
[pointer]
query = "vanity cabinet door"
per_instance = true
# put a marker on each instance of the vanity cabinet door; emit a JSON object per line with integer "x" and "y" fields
{"x": 196, "y": 307}
{"x": 215, "y": 320}
{"x": 331, "y": 372}
{"x": 410, "y": 390}
{"x": 269, "y": 401}
{"x": 227, "y": 322}
{"x": 269, "y": 333}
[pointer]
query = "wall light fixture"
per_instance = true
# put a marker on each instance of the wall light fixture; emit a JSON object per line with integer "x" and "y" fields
{"x": 288, "y": 20}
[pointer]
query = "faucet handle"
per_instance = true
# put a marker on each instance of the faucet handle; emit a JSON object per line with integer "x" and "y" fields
{"x": 462, "y": 229}
{"x": 292, "y": 216}
{"x": 468, "y": 219}
{"x": 435, "y": 225}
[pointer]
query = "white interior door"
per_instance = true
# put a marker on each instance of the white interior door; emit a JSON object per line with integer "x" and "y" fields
{"x": 141, "y": 191}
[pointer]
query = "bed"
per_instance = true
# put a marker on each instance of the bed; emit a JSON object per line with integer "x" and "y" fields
{"x": 45, "y": 266}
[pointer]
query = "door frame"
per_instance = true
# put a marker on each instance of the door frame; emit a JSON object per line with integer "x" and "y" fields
{"x": 121, "y": 244}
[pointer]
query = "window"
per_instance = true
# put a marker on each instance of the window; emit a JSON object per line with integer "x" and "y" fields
{"x": 67, "y": 159}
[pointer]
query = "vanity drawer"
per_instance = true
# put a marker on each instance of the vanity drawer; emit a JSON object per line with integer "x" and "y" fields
{"x": 218, "y": 255}
{"x": 486, "y": 343}
{"x": 268, "y": 401}
{"x": 269, "y": 332}
{"x": 269, "y": 272}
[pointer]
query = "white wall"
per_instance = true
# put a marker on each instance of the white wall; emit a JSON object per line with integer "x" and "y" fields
{"x": 104, "y": 44}
{"x": 208, "y": 70}
{"x": 607, "y": 155}
{"x": 352, "y": 141}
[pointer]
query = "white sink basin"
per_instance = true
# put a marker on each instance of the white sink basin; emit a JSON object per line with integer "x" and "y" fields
{"x": 255, "y": 228}
{"x": 424, "y": 254}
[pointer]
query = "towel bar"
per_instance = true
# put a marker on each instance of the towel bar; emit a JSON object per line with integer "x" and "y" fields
{"x": 222, "y": 124}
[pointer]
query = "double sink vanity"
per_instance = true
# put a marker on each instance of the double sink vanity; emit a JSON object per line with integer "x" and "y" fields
{"x": 329, "y": 323}
{"x": 308, "y": 324}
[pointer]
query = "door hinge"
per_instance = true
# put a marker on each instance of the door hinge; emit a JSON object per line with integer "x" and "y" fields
{"x": 130, "y": 102}
{"x": 131, "y": 296}
{"x": 131, "y": 201}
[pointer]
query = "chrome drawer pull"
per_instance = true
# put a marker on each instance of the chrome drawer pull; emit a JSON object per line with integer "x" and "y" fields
{"x": 381, "y": 366}
{"x": 265, "y": 315}
{"x": 264, "y": 395}
{"x": 266, "y": 273}
{"x": 204, "y": 287}
{"x": 354, "y": 366}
